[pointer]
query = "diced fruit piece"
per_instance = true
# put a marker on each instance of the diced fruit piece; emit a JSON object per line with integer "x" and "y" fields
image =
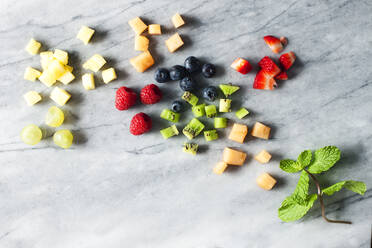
{"x": 31, "y": 74}
{"x": 47, "y": 78}
{"x": 208, "y": 70}
{"x": 210, "y": 111}
{"x": 169, "y": 131}
{"x": 88, "y": 81}
{"x": 66, "y": 78}
{"x": 283, "y": 40}
{"x": 174, "y": 42}
{"x": 190, "y": 98}
{"x": 266, "y": 181}
{"x": 54, "y": 117}
{"x": 60, "y": 96}
{"x": 45, "y": 59}
{"x": 140, "y": 124}
{"x": 198, "y": 110}
{"x": 274, "y": 43}
{"x": 241, "y": 65}
{"x": 192, "y": 64}
{"x": 142, "y": 62}
{"x": 210, "y": 135}
{"x": 187, "y": 84}
{"x": 261, "y": 131}
{"x": 220, "y": 122}
{"x": 155, "y": 29}
{"x": 31, "y": 134}
{"x": 178, "y": 106}
{"x": 137, "y": 25}
{"x": 33, "y": 47}
{"x": 210, "y": 93}
{"x": 150, "y": 94}
{"x": 225, "y": 105}
{"x": 32, "y": 97}
{"x": 241, "y": 113}
{"x": 193, "y": 128}
{"x": 141, "y": 43}
{"x": 282, "y": 76}
{"x": 177, "y": 72}
{"x": 162, "y": 75}
{"x": 233, "y": 157}
{"x": 108, "y": 75}
{"x": 61, "y": 56}
{"x": 56, "y": 69}
{"x": 287, "y": 59}
{"x": 125, "y": 98}
{"x": 69, "y": 68}
{"x": 177, "y": 20}
{"x": 263, "y": 157}
{"x": 63, "y": 138}
{"x": 229, "y": 89}
{"x": 170, "y": 115}
{"x": 238, "y": 133}
{"x": 220, "y": 167}
{"x": 190, "y": 148}
{"x": 269, "y": 66}
{"x": 263, "y": 81}
{"x": 94, "y": 63}
{"x": 85, "y": 34}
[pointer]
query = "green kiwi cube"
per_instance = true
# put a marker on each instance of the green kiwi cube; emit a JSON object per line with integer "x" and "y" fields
{"x": 190, "y": 148}
{"x": 190, "y": 98}
{"x": 170, "y": 115}
{"x": 210, "y": 111}
{"x": 228, "y": 89}
{"x": 241, "y": 113}
{"x": 220, "y": 122}
{"x": 225, "y": 105}
{"x": 169, "y": 132}
{"x": 193, "y": 128}
{"x": 198, "y": 110}
{"x": 210, "y": 135}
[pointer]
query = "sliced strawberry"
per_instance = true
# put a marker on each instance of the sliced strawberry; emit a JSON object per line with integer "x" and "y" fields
{"x": 241, "y": 65}
{"x": 282, "y": 76}
{"x": 287, "y": 60}
{"x": 274, "y": 43}
{"x": 264, "y": 81}
{"x": 269, "y": 66}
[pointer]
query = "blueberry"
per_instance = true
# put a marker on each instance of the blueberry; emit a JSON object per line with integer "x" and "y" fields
{"x": 178, "y": 106}
{"x": 162, "y": 75}
{"x": 208, "y": 70}
{"x": 177, "y": 72}
{"x": 192, "y": 64}
{"x": 187, "y": 84}
{"x": 210, "y": 93}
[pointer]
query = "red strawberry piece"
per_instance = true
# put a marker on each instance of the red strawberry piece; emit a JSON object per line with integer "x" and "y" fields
{"x": 282, "y": 76}
{"x": 241, "y": 65}
{"x": 287, "y": 60}
{"x": 264, "y": 81}
{"x": 274, "y": 43}
{"x": 269, "y": 66}
{"x": 125, "y": 98}
{"x": 150, "y": 94}
{"x": 140, "y": 124}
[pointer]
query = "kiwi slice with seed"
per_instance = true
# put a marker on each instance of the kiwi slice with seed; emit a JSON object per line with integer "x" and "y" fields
{"x": 229, "y": 89}
{"x": 190, "y": 148}
{"x": 193, "y": 128}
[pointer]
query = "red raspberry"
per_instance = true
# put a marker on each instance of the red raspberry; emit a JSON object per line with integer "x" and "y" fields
{"x": 125, "y": 98}
{"x": 140, "y": 123}
{"x": 150, "y": 94}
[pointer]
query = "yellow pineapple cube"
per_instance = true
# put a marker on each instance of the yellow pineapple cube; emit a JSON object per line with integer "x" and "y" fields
{"x": 69, "y": 68}
{"x": 142, "y": 62}
{"x": 263, "y": 157}
{"x": 32, "y": 97}
{"x": 33, "y": 47}
{"x": 94, "y": 63}
{"x": 137, "y": 25}
{"x": 174, "y": 42}
{"x": 141, "y": 43}
{"x": 85, "y": 34}
{"x": 47, "y": 78}
{"x": 66, "y": 78}
{"x": 266, "y": 181}
{"x": 31, "y": 74}
{"x": 177, "y": 20}
{"x": 88, "y": 81}
{"x": 61, "y": 56}
{"x": 261, "y": 131}
{"x": 56, "y": 69}
{"x": 233, "y": 157}
{"x": 108, "y": 75}
{"x": 238, "y": 132}
{"x": 155, "y": 29}
{"x": 60, "y": 96}
{"x": 220, "y": 168}
{"x": 45, "y": 59}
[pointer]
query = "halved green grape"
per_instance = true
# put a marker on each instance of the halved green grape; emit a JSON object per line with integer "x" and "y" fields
{"x": 210, "y": 111}
{"x": 63, "y": 138}
{"x": 199, "y": 110}
{"x": 31, "y": 134}
{"x": 241, "y": 113}
{"x": 225, "y": 105}
{"x": 210, "y": 135}
{"x": 54, "y": 117}
{"x": 220, "y": 122}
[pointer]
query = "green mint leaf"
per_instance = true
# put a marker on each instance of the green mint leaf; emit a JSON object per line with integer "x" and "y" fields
{"x": 304, "y": 158}
{"x": 355, "y": 186}
{"x": 290, "y": 210}
{"x": 290, "y": 166}
{"x": 324, "y": 159}
{"x": 301, "y": 191}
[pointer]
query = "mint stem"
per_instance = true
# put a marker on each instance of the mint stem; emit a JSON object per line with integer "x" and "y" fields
{"x": 321, "y": 201}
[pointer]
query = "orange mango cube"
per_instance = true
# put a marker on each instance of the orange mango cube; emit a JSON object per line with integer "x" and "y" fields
{"x": 220, "y": 168}
{"x": 266, "y": 181}
{"x": 238, "y": 132}
{"x": 233, "y": 157}
{"x": 261, "y": 131}
{"x": 263, "y": 157}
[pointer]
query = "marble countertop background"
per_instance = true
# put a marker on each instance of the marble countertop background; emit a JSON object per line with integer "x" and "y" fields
{"x": 112, "y": 189}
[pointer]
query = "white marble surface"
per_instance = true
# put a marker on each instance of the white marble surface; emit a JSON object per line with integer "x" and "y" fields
{"x": 112, "y": 189}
